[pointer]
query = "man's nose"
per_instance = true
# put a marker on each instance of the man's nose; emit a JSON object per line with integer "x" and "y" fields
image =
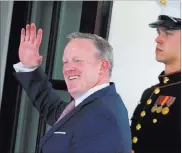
{"x": 68, "y": 67}
{"x": 159, "y": 39}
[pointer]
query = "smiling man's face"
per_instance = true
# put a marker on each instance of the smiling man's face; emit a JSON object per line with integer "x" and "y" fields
{"x": 81, "y": 66}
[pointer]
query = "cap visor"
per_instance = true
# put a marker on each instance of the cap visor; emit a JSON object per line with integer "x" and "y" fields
{"x": 156, "y": 24}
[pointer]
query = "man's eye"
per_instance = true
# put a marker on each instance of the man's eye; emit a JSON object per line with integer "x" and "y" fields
{"x": 78, "y": 61}
{"x": 168, "y": 33}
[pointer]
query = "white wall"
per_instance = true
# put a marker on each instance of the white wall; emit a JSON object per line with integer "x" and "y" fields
{"x": 6, "y": 8}
{"x": 134, "y": 49}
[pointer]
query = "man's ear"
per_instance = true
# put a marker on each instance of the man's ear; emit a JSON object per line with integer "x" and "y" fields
{"x": 105, "y": 65}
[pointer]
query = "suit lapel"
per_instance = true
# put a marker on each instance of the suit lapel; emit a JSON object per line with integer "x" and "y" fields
{"x": 57, "y": 125}
{"x": 62, "y": 121}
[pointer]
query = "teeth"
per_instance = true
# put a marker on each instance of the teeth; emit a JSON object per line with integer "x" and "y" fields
{"x": 73, "y": 77}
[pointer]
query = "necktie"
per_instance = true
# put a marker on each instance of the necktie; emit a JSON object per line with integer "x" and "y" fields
{"x": 68, "y": 108}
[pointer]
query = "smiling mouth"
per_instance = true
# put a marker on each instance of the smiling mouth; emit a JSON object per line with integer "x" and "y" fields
{"x": 73, "y": 77}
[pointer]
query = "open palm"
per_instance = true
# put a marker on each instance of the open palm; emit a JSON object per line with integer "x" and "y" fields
{"x": 29, "y": 46}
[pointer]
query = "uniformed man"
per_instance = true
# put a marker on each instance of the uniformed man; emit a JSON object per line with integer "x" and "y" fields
{"x": 156, "y": 121}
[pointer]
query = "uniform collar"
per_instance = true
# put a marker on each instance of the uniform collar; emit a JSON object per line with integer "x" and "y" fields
{"x": 173, "y": 77}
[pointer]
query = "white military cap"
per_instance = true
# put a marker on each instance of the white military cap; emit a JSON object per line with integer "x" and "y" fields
{"x": 170, "y": 15}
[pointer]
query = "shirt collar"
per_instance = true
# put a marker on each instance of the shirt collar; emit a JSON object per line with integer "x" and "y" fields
{"x": 89, "y": 92}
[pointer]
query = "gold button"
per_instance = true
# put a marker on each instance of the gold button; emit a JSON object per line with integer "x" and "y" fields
{"x": 135, "y": 139}
{"x": 143, "y": 113}
{"x": 138, "y": 127}
{"x": 165, "y": 80}
{"x": 157, "y": 90}
{"x": 149, "y": 101}
{"x": 132, "y": 151}
{"x": 163, "y": 2}
{"x": 165, "y": 110}
{"x": 154, "y": 120}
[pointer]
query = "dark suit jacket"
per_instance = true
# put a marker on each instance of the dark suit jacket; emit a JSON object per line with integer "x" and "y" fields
{"x": 98, "y": 125}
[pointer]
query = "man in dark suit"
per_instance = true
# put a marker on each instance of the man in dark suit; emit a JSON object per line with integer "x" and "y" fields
{"x": 156, "y": 122}
{"x": 96, "y": 121}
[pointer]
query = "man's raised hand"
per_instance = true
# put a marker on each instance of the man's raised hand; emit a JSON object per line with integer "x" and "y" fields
{"x": 29, "y": 46}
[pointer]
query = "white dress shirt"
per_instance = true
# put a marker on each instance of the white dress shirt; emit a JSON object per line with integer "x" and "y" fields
{"x": 89, "y": 92}
{"x": 19, "y": 67}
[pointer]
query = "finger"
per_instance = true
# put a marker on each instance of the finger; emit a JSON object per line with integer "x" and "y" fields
{"x": 27, "y": 37}
{"x": 22, "y": 38}
{"x": 32, "y": 33}
{"x": 39, "y": 38}
{"x": 39, "y": 60}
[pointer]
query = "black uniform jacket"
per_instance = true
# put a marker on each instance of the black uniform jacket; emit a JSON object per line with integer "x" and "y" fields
{"x": 156, "y": 121}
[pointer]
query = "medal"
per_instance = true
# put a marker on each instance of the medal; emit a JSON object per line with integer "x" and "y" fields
{"x": 159, "y": 109}
{"x": 154, "y": 108}
{"x": 161, "y": 102}
{"x": 165, "y": 110}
